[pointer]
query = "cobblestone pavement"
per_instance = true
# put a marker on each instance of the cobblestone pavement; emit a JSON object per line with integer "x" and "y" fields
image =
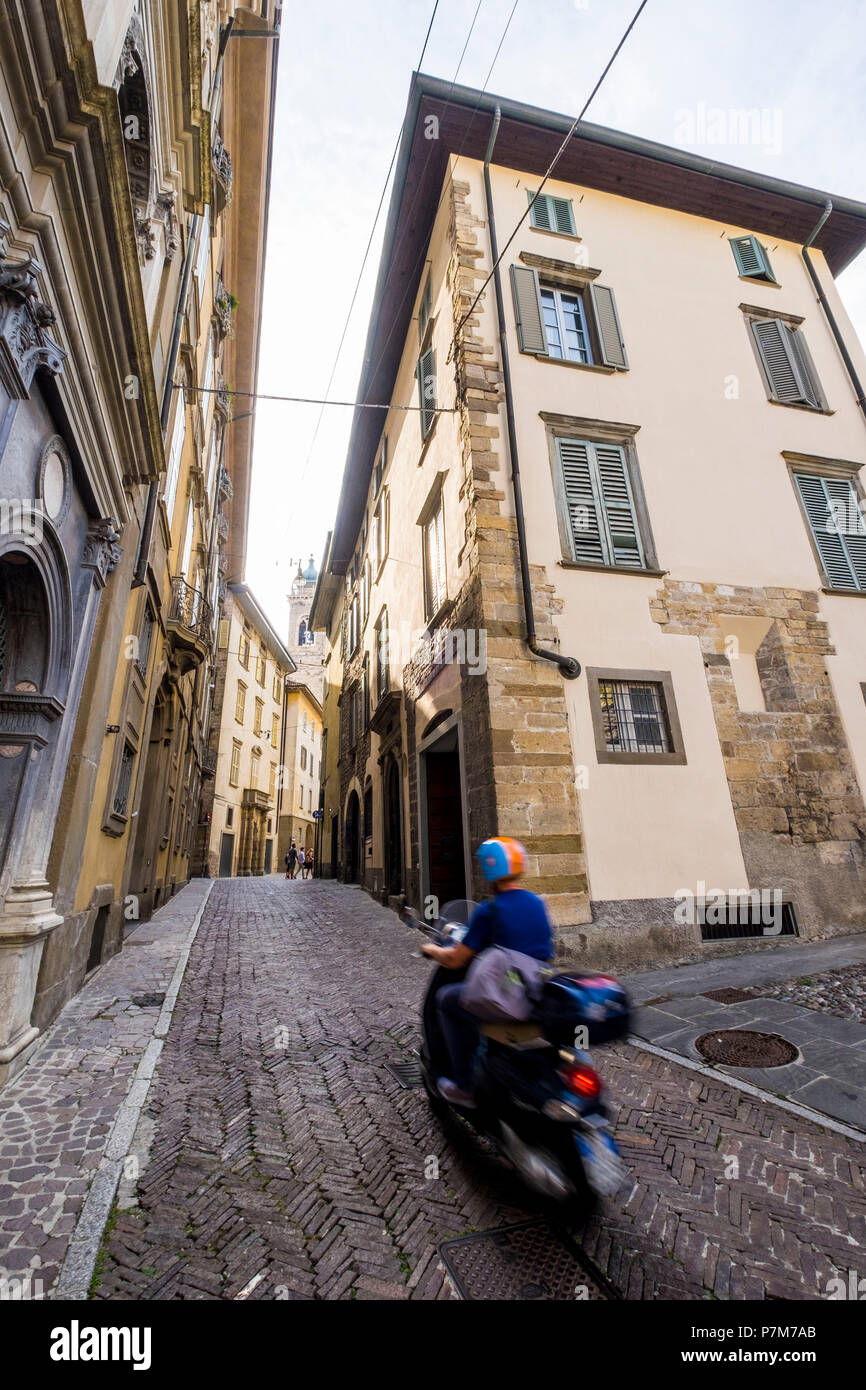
{"x": 285, "y": 1161}
{"x": 841, "y": 993}
{"x": 57, "y": 1115}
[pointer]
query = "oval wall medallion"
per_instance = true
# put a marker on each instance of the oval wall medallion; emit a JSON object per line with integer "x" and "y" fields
{"x": 53, "y": 479}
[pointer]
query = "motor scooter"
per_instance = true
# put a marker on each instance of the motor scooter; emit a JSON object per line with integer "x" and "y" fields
{"x": 539, "y": 1099}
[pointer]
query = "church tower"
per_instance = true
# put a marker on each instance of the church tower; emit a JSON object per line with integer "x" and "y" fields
{"x": 306, "y": 647}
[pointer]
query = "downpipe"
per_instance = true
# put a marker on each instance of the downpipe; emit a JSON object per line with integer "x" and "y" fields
{"x": 568, "y": 665}
{"x": 828, "y": 312}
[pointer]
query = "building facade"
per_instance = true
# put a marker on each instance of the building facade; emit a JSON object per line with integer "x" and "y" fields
{"x": 129, "y": 293}
{"x": 302, "y": 768}
{"x": 602, "y": 589}
{"x": 239, "y": 807}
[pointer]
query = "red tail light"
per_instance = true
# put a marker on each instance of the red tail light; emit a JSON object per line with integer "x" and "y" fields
{"x": 582, "y": 1081}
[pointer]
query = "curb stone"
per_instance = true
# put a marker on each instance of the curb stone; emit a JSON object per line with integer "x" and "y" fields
{"x": 80, "y": 1260}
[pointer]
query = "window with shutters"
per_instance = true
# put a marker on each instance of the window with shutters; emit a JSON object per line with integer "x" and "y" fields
{"x": 752, "y": 260}
{"x": 550, "y": 214}
{"x": 261, "y": 668}
{"x": 433, "y": 531}
{"x": 634, "y": 717}
{"x": 235, "y": 766}
{"x": 224, "y": 629}
{"x": 425, "y": 373}
{"x": 834, "y": 512}
{"x": 244, "y": 653}
{"x": 602, "y": 517}
{"x": 381, "y": 465}
{"x": 567, "y": 323}
{"x": 259, "y": 717}
{"x": 303, "y": 759}
{"x": 424, "y": 308}
{"x": 275, "y": 731}
{"x": 272, "y": 781}
{"x": 789, "y": 374}
{"x": 382, "y": 656}
{"x": 379, "y": 530}
{"x": 255, "y": 761}
{"x": 240, "y": 702}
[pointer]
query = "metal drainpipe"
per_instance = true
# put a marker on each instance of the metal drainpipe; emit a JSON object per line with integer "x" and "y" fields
{"x": 828, "y": 312}
{"x": 568, "y": 665}
{"x": 142, "y": 560}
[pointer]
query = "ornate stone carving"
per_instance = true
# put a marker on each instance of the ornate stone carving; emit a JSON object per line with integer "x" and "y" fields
{"x": 165, "y": 204}
{"x": 101, "y": 551}
{"x": 24, "y": 343}
{"x": 144, "y": 236}
{"x": 26, "y": 718}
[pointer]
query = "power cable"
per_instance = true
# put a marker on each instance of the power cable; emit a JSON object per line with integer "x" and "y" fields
{"x": 556, "y": 158}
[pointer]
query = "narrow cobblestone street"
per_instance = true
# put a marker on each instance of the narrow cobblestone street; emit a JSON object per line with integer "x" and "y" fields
{"x": 285, "y": 1161}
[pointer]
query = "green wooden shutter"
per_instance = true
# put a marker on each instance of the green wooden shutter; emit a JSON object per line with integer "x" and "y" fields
{"x": 619, "y": 510}
{"x": 607, "y": 323}
{"x": 784, "y": 362}
{"x": 602, "y": 518}
{"x": 832, "y": 510}
{"x": 527, "y": 309}
{"x": 551, "y": 214}
{"x": 582, "y": 504}
{"x": 426, "y": 374}
{"x": 752, "y": 259}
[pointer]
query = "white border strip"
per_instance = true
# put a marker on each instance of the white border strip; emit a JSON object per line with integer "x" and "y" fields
{"x": 76, "y": 1272}
{"x": 815, "y": 1116}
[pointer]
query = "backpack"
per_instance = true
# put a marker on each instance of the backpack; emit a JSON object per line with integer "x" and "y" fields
{"x": 502, "y": 984}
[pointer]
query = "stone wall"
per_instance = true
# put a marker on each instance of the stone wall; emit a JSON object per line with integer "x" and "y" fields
{"x": 521, "y": 778}
{"x": 797, "y": 803}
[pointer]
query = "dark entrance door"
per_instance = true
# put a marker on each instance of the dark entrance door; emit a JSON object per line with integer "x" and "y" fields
{"x": 269, "y": 855}
{"x": 353, "y": 830}
{"x": 227, "y": 854}
{"x": 395, "y": 830}
{"x": 445, "y": 858}
{"x": 335, "y": 844}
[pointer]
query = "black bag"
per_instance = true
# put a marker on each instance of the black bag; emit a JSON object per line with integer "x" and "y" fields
{"x": 570, "y": 1000}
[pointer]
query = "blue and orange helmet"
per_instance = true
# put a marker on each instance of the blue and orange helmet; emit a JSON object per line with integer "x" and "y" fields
{"x": 501, "y": 859}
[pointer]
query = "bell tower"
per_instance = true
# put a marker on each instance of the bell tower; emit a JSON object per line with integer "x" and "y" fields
{"x": 306, "y": 647}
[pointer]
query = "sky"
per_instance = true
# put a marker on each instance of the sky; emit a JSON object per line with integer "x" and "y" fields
{"x": 344, "y": 73}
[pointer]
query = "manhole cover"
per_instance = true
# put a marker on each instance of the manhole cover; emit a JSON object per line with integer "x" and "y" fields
{"x": 407, "y": 1073}
{"x": 155, "y": 999}
{"x": 519, "y": 1263}
{"x": 739, "y": 1047}
{"x": 730, "y": 996}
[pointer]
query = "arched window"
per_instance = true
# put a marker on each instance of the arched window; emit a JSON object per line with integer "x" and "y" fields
{"x": 135, "y": 118}
{"x": 302, "y": 633}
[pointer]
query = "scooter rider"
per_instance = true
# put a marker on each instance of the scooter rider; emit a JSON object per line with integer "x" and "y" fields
{"x": 515, "y": 919}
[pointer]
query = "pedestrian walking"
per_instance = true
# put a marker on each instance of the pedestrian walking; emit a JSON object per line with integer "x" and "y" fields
{"x": 309, "y": 864}
{"x": 291, "y": 860}
{"x": 301, "y": 857}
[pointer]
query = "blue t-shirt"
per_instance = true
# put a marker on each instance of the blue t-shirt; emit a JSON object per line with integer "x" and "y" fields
{"x": 515, "y": 919}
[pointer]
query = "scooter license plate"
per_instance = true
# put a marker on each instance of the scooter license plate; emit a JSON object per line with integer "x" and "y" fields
{"x": 605, "y": 1170}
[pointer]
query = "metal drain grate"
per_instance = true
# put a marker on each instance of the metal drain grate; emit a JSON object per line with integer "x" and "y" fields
{"x": 407, "y": 1073}
{"x": 730, "y": 996}
{"x": 155, "y": 999}
{"x": 526, "y": 1262}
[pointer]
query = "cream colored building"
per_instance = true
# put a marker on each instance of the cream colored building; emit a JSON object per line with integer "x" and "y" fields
{"x": 302, "y": 763}
{"x": 651, "y": 655}
{"x": 240, "y": 809}
{"x": 135, "y": 142}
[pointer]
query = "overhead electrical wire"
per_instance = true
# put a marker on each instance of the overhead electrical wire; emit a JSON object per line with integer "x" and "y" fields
{"x": 550, "y": 168}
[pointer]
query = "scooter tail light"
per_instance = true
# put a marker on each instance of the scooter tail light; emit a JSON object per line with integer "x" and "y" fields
{"x": 581, "y": 1080}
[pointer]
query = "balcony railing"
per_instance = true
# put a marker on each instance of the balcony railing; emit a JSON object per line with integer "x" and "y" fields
{"x": 189, "y": 622}
{"x": 222, "y": 167}
{"x": 223, "y": 309}
{"x": 209, "y": 762}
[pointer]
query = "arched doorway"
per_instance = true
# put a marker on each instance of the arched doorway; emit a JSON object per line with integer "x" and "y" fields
{"x": 151, "y": 821}
{"x": 393, "y": 830}
{"x": 352, "y": 859}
